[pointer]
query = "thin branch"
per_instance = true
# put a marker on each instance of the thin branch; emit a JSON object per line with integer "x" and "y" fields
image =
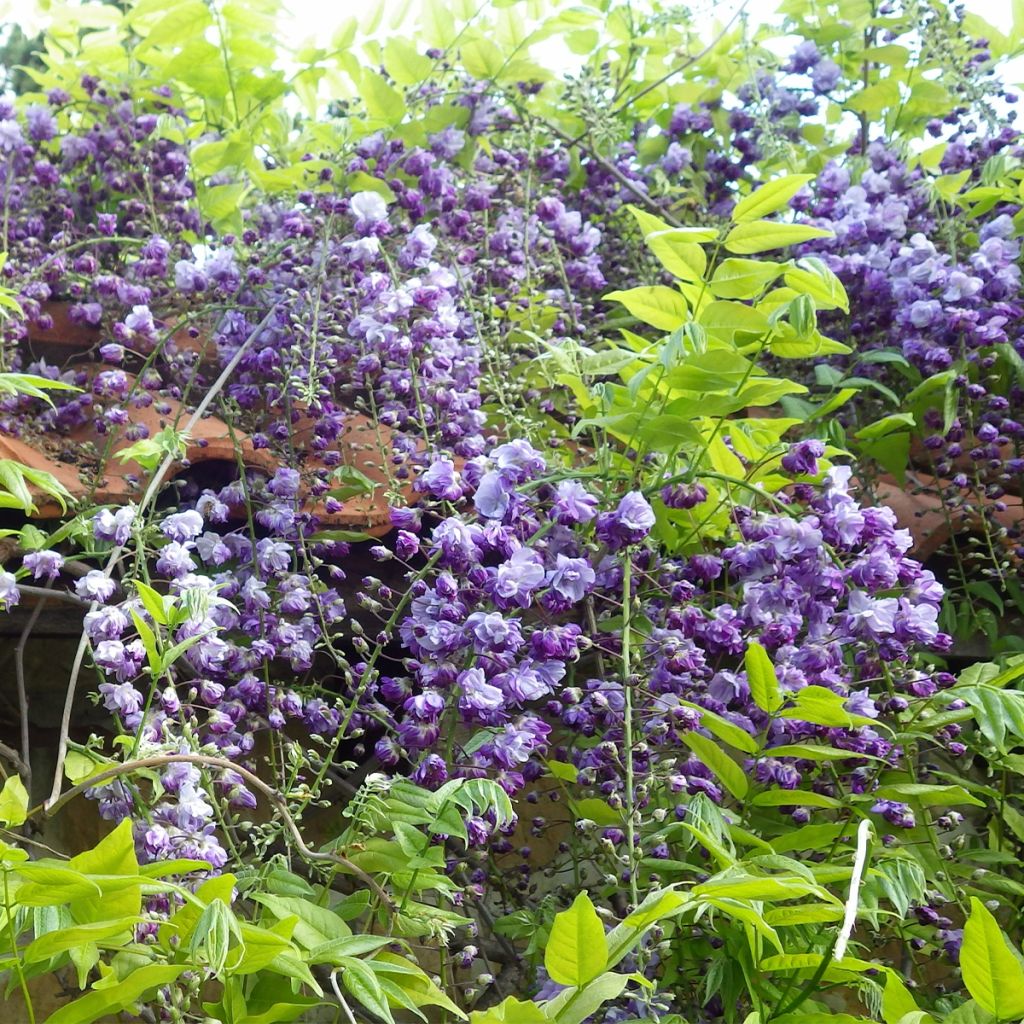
{"x": 209, "y": 761}
{"x": 115, "y": 555}
{"x": 341, "y": 999}
{"x": 625, "y": 182}
{"x": 650, "y": 87}
{"x": 52, "y": 595}
{"x": 19, "y": 674}
{"x": 682, "y": 67}
{"x": 14, "y": 757}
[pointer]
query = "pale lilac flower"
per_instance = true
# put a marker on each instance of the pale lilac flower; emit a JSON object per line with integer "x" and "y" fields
{"x": 95, "y": 586}
{"x": 42, "y": 564}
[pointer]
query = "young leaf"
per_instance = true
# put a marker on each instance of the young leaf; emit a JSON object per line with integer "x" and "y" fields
{"x": 725, "y": 730}
{"x": 667, "y": 903}
{"x": 656, "y": 305}
{"x": 761, "y": 678}
{"x": 991, "y": 972}
{"x": 570, "y": 1007}
{"x": 794, "y": 798}
{"x": 149, "y": 642}
{"x": 511, "y": 1011}
{"x": 727, "y": 770}
{"x": 769, "y": 197}
{"x": 928, "y": 795}
{"x": 897, "y": 1001}
{"x": 819, "y": 705}
{"x": 812, "y": 276}
{"x": 737, "y": 278}
{"x": 576, "y": 951}
{"x": 13, "y": 802}
{"x": 363, "y": 985}
{"x": 123, "y": 995}
{"x": 152, "y": 601}
{"x": 762, "y": 235}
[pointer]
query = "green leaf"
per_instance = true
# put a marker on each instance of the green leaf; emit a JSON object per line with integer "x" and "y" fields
{"x": 79, "y": 766}
{"x": 685, "y": 260}
{"x": 761, "y": 678}
{"x": 562, "y": 770}
{"x": 762, "y": 235}
{"x": 13, "y": 802}
{"x": 758, "y": 887}
{"x": 818, "y": 705}
{"x": 811, "y": 961}
{"x": 12, "y": 478}
{"x": 63, "y": 939}
{"x": 894, "y": 423}
{"x": 929, "y": 796}
{"x": 149, "y": 642}
{"x": 875, "y": 98}
{"x": 794, "y": 798}
{"x": 810, "y": 752}
{"x": 316, "y": 925}
{"x": 50, "y": 883}
{"x": 726, "y": 320}
{"x": 482, "y": 58}
{"x": 414, "y": 982}
{"x": 745, "y": 911}
{"x": 283, "y": 1012}
{"x": 769, "y": 197}
{"x": 383, "y": 101}
{"x": 121, "y": 996}
{"x": 511, "y": 1011}
{"x": 656, "y": 305}
{"x": 992, "y": 973}
{"x": 783, "y": 917}
{"x": 655, "y": 227}
{"x": 576, "y": 951}
{"x": 667, "y": 903}
{"x": 897, "y": 1001}
{"x": 677, "y": 249}
{"x": 812, "y": 277}
{"x": 998, "y": 712}
{"x": 572, "y": 1007}
{"x": 725, "y": 730}
{"x": 152, "y": 601}
{"x": 892, "y": 452}
{"x": 222, "y": 204}
{"x": 724, "y": 767}
{"x": 969, "y": 1013}
{"x": 212, "y": 935}
{"x": 737, "y": 278}
{"x": 363, "y": 985}
{"x": 353, "y": 945}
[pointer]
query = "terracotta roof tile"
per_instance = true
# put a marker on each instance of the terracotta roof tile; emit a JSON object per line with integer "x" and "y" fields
{"x": 104, "y": 479}
{"x": 920, "y": 509}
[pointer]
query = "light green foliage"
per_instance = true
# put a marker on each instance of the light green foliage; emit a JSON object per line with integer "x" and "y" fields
{"x": 992, "y": 970}
{"x": 258, "y": 940}
{"x": 694, "y": 382}
{"x": 680, "y": 396}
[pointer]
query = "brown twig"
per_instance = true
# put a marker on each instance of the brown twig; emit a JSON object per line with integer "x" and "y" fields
{"x": 19, "y": 674}
{"x": 607, "y": 165}
{"x": 691, "y": 60}
{"x": 52, "y": 595}
{"x": 14, "y": 757}
{"x": 206, "y": 760}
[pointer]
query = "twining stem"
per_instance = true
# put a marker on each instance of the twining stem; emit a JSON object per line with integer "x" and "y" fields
{"x": 209, "y": 761}
{"x": 627, "y": 691}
